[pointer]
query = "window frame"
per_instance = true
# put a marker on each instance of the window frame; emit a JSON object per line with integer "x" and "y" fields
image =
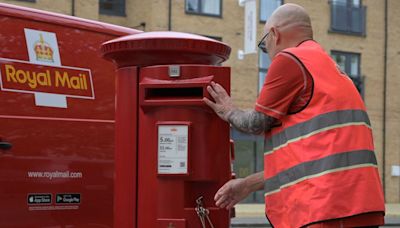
{"x": 259, "y": 11}
{"x": 262, "y": 70}
{"x": 348, "y": 30}
{"x": 348, "y": 60}
{"x": 205, "y": 14}
{"x": 121, "y": 13}
{"x": 355, "y": 78}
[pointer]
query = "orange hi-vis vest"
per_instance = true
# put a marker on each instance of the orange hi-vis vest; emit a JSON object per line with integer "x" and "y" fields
{"x": 320, "y": 163}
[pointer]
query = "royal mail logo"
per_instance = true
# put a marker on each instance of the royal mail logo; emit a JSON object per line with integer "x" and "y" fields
{"x": 20, "y": 76}
{"x": 44, "y": 75}
{"x": 43, "y": 50}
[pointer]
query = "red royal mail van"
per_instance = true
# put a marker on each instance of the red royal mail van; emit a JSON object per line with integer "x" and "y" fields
{"x": 57, "y": 120}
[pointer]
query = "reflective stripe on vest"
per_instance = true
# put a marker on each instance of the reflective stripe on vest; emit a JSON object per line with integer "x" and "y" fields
{"x": 320, "y": 167}
{"x": 316, "y": 125}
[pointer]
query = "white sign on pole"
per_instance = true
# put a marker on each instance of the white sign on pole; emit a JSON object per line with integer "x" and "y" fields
{"x": 250, "y": 26}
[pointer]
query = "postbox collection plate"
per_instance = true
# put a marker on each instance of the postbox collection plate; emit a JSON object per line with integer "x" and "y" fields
{"x": 173, "y": 148}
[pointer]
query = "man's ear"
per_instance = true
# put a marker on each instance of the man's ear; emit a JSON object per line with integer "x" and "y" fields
{"x": 277, "y": 35}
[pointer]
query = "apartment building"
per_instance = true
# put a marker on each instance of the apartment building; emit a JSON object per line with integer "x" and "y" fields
{"x": 361, "y": 35}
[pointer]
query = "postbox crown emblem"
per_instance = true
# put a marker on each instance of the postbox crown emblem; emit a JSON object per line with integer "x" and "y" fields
{"x": 43, "y": 50}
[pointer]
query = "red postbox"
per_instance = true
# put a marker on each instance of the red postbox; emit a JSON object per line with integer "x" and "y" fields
{"x": 172, "y": 159}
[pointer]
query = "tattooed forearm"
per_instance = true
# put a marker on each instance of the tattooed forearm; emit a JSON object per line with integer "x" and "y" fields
{"x": 250, "y": 121}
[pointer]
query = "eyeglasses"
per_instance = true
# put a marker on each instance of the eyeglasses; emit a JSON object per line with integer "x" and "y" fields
{"x": 261, "y": 44}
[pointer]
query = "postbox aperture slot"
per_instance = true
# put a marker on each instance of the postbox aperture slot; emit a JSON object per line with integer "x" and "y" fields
{"x": 173, "y": 93}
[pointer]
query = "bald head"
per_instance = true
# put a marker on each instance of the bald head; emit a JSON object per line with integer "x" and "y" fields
{"x": 293, "y": 24}
{"x": 291, "y": 17}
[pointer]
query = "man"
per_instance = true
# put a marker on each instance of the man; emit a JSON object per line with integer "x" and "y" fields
{"x": 320, "y": 169}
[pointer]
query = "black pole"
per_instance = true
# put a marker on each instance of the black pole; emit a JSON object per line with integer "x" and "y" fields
{"x": 73, "y": 8}
{"x": 384, "y": 98}
{"x": 169, "y": 15}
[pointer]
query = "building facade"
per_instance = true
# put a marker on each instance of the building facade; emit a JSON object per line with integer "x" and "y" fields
{"x": 360, "y": 35}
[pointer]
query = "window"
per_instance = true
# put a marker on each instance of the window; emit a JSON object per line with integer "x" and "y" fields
{"x": 112, "y": 7}
{"x": 248, "y": 159}
{"x": 348, "y": 16}
{"x": 214, "y": 37}
{"x": 267, "y": 7}
{"x": 350, "y": 64}
{"x": 263, "y": 62}
{"x": 204, "y": 7}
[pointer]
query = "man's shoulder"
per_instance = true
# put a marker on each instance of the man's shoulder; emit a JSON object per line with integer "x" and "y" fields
{"x": 283, "y": 59}
{"x": 305, "y": 46}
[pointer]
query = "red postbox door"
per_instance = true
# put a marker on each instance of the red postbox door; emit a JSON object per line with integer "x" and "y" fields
{"x": 183, "y": 146}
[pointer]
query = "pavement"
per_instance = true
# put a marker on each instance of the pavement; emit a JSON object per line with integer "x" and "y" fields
{"x": 252, "y": 215}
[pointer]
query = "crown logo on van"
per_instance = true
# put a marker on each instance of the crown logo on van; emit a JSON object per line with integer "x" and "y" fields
{"x": 43, "y": 50}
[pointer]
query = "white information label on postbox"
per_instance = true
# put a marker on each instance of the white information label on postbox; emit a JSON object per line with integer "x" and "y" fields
{"x": 173, "y": 149}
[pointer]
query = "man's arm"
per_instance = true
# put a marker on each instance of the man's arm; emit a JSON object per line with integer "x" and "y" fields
{"x": 249, "y": 121}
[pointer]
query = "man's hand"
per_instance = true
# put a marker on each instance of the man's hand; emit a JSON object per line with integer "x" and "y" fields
{"x": 236, "y": 190}
{"x": 231, "y": 193}
{"x": 223, "y": 103}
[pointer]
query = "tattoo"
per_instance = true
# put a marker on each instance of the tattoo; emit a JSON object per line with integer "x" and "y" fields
{"x": 250, "y": 121}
